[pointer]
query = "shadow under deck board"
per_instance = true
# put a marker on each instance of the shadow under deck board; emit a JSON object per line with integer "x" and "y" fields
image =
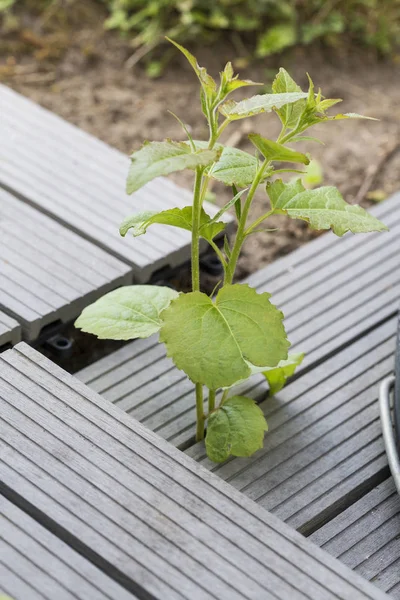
{"x": 10, "y": 330}
{"x": 331, "y": 291}
{"x": 80, "y": 182}
{"x": 366, "y": 537}
{"x": 170, "y": 527}
{"x": 36, "y": 565}
{"x": 47, "y": 272}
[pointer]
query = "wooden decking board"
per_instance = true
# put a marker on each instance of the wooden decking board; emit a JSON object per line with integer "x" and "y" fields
{"x": 324, "y": 442}
{"x": 366, "y": 537}
{"x": 47, "y": 272}
{"x": 80, "y": 181}
{"x": 127, "y": 494}
{"x": 10, "y": 330}
{"x": 34, "y": 563}
{"x": 318, "y": 251}
{"x": 330, "y": 297}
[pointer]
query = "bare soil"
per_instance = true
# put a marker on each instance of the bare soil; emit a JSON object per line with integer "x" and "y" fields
{"x": 69, "y": 64}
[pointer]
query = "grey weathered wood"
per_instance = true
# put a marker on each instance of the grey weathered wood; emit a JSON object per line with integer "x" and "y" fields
{"x": 366, "y": 537}
{"x": 35, "y": 564}
{"x": 324, "y": 447}
{"x": 171, "y": 528}
{"x": 331, "y": 291}
{"x": 80, "y": 181}
{"x": 10, "y": 330}
{"x": 47, "y": 272}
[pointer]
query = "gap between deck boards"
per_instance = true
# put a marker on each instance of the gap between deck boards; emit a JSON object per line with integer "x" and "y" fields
{"x": 73, "y": 542}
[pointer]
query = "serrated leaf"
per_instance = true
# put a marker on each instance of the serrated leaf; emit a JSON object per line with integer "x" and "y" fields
{"x": 237, "y": 428}
{"x": 234, "y": 167}
{"x": 289, "y": 114}
{"x": 212, "y": 340}
{"x": 161, "y": 158}
{"x": 175, "y": 217}
{"x": 277, "y": 376}
{"x": 127, "y": 313}
{"x": 274, "y": 151}
{"x": 258, "y": 104}
{"x": 322, "y": 208}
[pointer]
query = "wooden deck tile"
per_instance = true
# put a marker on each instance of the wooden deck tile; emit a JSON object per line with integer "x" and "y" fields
{"x": 80, "y": 182}
{"x": 324, "y": 447}
{"x": 166, "y": 526}
{"x": 366, "y": 537}
{"x": 10, "y": 330}
{"x": 36, "y": 565}
{"x": 47, "y": 272}
{"x": 331, "y": 291}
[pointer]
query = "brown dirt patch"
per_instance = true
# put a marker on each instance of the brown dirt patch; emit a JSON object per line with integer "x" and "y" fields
{"x": 71, "y": 66}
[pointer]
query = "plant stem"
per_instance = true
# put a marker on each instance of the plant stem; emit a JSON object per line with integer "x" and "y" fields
{"x": 240, "y": 235}
{"x": 258, "y": 221}
{"x": 200, "y": 418}
{"x": 195, "y": 231}
{"x": 211, "y": 401}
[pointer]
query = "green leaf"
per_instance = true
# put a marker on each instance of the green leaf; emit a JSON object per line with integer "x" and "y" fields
{"x": 213, "y": 340}
{"x": 289, "y": 114}
{"x": 230, "y": 83}
{"x": 313, "y": 175}
{"x": 208, "y": 84}
{"x": 278, "y": 375}
{"x": 322, "y": 208}
{"x": 127, "y": 313}
{"x": 237, "y": 428}
{"x": 276, "y": 39}
{"x": 235, "y": 200}
{"x": 274, "y": 151}
{"x": 306, "y": 138}
{"x": 227, "y": 249}
{"x": 258, "y": 104}
{"x": 234, "y": 167}
{"x": 238, "y": 203}
{"x": 350, "y": 116}
{"x": 175, "y": 217}
{"x": 161, "y": 158}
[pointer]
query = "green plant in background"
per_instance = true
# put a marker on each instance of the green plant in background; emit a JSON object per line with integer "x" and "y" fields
{"x": 274, "y": 24}
{"x": 221, "y": 341}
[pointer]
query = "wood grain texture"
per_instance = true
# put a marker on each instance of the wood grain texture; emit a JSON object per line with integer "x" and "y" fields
{"x": 35, "y": 564}
{"x": 324, "y": 447}
{"x": 366, "y": 537}
{"x": 47, "y": 272}
{"x": 10, "y": 330}
{"x": 80, "y": 182}
{"x": 165, "y": 524}
{"x": 331, "y": 291}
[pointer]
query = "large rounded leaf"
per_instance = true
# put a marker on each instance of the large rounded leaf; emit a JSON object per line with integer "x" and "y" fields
{"x": 237, "y": 428}
{"x": 213, "y": 341}
{"x": 127, "y": 313}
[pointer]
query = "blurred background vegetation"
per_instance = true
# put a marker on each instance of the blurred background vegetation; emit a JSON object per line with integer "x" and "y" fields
{"x": 262, "y": 27}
